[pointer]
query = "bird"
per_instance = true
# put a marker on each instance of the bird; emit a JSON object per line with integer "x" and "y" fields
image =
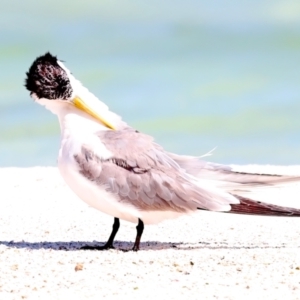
{"x": 124, "y": 173}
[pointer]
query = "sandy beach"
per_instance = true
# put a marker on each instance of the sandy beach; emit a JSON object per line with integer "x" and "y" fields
{"x": 204, "y": 256}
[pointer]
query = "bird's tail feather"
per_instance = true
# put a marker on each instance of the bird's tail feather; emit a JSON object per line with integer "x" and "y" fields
{"x": 252, "y": 207}
{"x": 262, "y": 190}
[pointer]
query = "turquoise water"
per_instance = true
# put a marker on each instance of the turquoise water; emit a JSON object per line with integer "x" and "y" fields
{"x": 194, "y": 74}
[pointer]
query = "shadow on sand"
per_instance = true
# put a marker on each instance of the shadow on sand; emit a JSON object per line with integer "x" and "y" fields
{"x": 144, "y": 246}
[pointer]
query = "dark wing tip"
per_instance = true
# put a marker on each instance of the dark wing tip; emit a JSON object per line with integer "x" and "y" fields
{"x": 252, "y": 207}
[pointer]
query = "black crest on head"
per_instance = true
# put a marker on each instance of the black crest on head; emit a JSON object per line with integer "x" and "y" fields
{"x": 47, "y": 79}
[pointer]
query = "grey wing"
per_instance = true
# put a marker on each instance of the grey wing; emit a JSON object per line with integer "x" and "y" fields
{"x": 232, "y": 174}
{"x": 270, "y": 184}
{"x": 142, "y": 174}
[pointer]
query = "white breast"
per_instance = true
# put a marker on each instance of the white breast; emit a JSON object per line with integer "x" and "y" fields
{"x": 76, "y": 133}
{"x": 96, "y": 195}
{"x": 77, "y": 130}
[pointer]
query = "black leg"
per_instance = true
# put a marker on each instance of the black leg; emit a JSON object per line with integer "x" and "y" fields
{"x": 116, "y": 226}
{"x": 139, "y": 232}
{"x": 109, "y": 243}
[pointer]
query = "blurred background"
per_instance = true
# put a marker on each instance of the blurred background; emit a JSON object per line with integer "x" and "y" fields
{"x": 194, "y": 74}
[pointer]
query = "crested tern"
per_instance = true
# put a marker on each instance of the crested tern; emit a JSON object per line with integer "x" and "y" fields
{"x": 124, "y": 173}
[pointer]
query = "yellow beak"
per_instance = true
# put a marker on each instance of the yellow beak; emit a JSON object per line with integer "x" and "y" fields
{"x": 80, "y": 104}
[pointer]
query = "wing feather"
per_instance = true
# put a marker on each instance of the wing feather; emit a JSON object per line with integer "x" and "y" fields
{"x": 142, "y": 174}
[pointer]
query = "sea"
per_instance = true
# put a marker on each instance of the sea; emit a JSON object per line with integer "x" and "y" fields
{"x": 196, "y": 75}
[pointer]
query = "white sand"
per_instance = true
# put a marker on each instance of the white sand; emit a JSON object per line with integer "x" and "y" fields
{"x": 206, "y": 256}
